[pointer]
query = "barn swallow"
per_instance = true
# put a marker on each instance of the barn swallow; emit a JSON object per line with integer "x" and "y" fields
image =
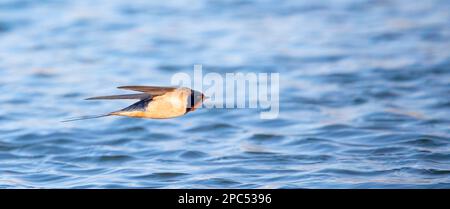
{"x": 154, "y": 102}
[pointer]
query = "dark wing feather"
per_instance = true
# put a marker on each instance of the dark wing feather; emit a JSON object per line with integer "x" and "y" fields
{"x": 153, "y": 90}
{"x": 125, "y": 96}
{"x": 138, "y": 106}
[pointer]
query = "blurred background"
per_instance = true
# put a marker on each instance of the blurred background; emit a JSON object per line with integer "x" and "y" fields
{"x": 365, "y": 94}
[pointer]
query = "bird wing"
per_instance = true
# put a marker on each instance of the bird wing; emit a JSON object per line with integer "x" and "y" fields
{"x": 138, "y": 106}
{"x": 152, "y": 90}
{"x": 124, "y": 96}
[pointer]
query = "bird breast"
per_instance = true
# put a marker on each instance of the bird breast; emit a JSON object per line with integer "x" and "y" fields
{"x": 169, "y": 105}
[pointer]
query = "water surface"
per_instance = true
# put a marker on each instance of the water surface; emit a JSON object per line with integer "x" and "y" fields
{"x": 365, "y": 99}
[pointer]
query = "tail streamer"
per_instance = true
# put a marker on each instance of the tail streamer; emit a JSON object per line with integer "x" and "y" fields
{"x": 86, "y": 117}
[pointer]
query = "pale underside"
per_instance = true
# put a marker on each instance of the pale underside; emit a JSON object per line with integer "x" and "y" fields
{"x": 169, "y": 105}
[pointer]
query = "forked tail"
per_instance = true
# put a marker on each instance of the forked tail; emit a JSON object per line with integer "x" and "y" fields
{"x": 87, "y": 117}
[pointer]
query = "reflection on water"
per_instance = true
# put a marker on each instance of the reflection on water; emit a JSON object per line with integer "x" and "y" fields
{"x": 364, "y": 103}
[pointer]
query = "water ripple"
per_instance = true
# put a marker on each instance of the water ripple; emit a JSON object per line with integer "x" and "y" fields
{"x": 364, "y": 94}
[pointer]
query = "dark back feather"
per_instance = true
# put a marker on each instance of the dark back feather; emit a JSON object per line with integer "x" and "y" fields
{"x": 138, "y": 106}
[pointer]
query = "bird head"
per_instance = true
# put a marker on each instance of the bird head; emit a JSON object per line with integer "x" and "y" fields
{"x": 195, "y": 99}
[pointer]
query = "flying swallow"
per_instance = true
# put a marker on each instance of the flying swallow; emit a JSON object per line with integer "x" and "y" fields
{"x": 154, "y": 102}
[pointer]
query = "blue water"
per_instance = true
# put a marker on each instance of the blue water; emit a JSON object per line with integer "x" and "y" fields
{"x": 365, "y": 94}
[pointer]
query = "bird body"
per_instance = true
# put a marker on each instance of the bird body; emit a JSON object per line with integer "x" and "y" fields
{"x": 154, "y": 102}
{"x": 169, "y": 105}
